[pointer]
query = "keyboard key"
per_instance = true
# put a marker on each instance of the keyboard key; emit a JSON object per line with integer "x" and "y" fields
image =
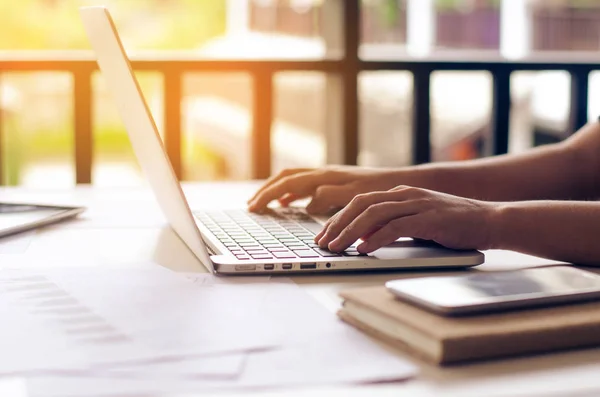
{"x": 240, "y": 235}
{"x": 243, "y": 241}
{"x": 257, "y": 250}
{"x": 260, "y": 235}
{"x": 284, "y": 255}
{"x": 249, "y": 246}
{"x": 326, "y": 254}
{"x": 243, "y": 257}
{"x": 289, "y": 240}
{"x": 304, "y": 236}
{"x": 267, "y": 241}
{"x": 313, "y": 227}
{"x": 262, "y": 257}
{"x": 306, "y": 253}
{"x": 295, "y": 245}
{"x": 278, "y": 249}
{"x": 280, "y": 235}
{"x": 353, "y": 253}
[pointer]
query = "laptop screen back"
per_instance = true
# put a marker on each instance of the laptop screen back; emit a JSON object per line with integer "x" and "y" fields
{"x": 143, "y": 133}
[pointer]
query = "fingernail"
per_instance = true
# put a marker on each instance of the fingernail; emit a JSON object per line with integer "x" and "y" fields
{"x": 323, "y": 243}
{"x": 334, "y": 245}
{"x": 363, "y": 248}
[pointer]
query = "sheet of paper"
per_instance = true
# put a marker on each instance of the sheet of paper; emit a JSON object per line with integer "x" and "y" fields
{"x": 349, "y": 359}
{"x": 219, "y": 367}
{"x": 13, "y": 387}
{"x": 16, "y": 244}
{"x": 209, "y": 280}
{"x": 74, "y": 318}
{"x": 315, "y": 348}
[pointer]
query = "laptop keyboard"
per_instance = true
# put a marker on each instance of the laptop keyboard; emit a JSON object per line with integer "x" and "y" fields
{"x": 285, "y": 233}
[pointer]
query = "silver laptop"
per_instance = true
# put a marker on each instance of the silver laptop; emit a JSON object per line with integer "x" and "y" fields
{"x": 237, "y": 242}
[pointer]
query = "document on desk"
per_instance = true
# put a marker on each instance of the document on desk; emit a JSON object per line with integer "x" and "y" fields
{"x": 314, "y": 348}
{"x": 76, "y": 318}
{"x": 16, "y": 244}
{"x": 349, "y": 360}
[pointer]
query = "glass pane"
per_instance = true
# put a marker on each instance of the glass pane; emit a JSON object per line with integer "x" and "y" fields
{"x": 565, "y": 25}
{"x": 217, "y": 120}
{"x": 385, "y": 118}
{"x": 397, "y": 28}
{"x": 37, "y": 124}
{"x": 299, "y": 130}
{"x": 467, "y": 24}
{"x": 540, "y": 109}
{"x": 288, "y": 29}
{"x": 114, "y": 163}
{"x": 384, "y": 29}
{"x": 461, "y": 105}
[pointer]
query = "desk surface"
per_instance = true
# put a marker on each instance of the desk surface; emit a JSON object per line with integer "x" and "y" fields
{"x": 124, "y": 227}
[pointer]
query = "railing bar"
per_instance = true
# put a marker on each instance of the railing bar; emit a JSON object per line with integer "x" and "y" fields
{"x": 497, "y": 142}
{"x": 262, "y": 119}
{"x": 82, "y": 102}
{"x": 172, "y": 97}
{"x": 580, "y": 88}
{"x": 351, "y": 35}
{"x": 326, "y": 65}
{"x": 421, "y": 116}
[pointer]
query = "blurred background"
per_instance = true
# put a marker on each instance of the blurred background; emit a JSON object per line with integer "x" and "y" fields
{"x": 216, "y": 121}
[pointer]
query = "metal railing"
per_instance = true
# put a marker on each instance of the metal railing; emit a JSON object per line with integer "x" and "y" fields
{"x": 348, "y": 68}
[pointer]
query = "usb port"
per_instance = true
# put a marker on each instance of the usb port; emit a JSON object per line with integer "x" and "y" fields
{"x": 269, "y": 267}
{"x": 308, "y": 266}
{"x": 286, "y": 266}
{"x": 245, "y": 268}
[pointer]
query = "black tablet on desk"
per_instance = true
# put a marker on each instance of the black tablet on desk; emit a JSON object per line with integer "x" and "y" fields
{"x": 17, "y": 217}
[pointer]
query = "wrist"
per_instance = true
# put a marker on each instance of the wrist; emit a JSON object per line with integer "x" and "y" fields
{"x": 499, "y": 225}
{"x": 415, "y": 176}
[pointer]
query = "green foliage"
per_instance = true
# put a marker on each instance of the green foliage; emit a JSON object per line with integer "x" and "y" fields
{"x": 55, "y": 24}
{"x": 453, "y": 4}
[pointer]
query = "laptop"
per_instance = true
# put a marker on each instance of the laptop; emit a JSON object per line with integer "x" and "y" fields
{"x": 279, "y": 241}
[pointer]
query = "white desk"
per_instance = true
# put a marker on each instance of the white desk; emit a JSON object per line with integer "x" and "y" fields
{"x": 124, "y": 227}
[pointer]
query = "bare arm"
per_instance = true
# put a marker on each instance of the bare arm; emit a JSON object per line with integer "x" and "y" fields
{"x": 569, "y": 170}
{"x": 564, "y": 171}
{"x": 560, "y": 230}
{"x": 565, "y": 231}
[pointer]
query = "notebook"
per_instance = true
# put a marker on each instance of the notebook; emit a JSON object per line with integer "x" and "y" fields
{"x": 452, "y": 340}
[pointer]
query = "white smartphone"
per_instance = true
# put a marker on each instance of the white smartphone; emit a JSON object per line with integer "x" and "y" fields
{"x": 485, "y": 292}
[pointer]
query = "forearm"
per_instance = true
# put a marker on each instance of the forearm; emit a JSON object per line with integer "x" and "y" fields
{"x": 555, "y": 172}
{"x": 559, "y": 230}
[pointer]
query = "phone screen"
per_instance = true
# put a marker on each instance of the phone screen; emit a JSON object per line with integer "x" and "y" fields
{"x": 489, "y": 287}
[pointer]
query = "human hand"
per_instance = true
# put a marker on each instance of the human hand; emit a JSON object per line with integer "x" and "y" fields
{"x": 380, "y": 218}
{"x": 331, "y": 188}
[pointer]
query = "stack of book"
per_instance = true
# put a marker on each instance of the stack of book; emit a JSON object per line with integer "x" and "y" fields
{"x": 450, "y": 340}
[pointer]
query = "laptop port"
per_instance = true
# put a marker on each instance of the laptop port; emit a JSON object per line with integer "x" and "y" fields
{"x": 286, "y": 266}
{"x": 269, "y": 267}
{"x": 308, "y": 266}
{"x": 245, "y": 268}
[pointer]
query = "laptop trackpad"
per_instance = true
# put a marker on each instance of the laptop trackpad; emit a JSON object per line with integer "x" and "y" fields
{"x": 409, "y": 248}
